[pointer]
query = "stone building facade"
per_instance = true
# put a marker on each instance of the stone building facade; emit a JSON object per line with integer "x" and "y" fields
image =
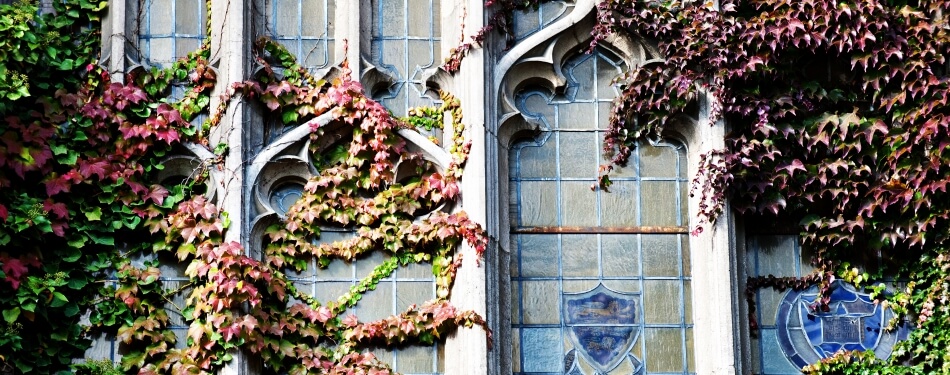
{"x": 576, "y": 281}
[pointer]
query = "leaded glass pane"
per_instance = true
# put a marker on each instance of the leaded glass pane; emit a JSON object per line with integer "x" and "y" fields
{"x": 170, "y": 29}
{"x": 592, "y": 290}
{"x": 405, "y": 43}
{"x": 305, "y": 28}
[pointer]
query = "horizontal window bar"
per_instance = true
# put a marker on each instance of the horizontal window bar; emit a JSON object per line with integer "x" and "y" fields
{"x": 602, "y": 230}
{"x": 651, "y": 325}
{"x": 605, "y": 278}
{"x": 593, "y": 180}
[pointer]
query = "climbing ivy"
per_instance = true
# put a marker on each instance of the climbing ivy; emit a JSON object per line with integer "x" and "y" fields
{"x": 86, "y": 230}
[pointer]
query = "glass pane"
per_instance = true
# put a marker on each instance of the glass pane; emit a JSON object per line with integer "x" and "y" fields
{"x": 516, "y": 350}
{"x": 415, "y": 359}
{"x": 392, "y": 17}
{"x": 579, "y": 255}
{"x": 535, "y": 161}
{"x": 578, "y": 286}
{"x": 539, "y": 307}
{"x": 542, "y": 349}
{"x": 529, "y": 21}
{"x": 305, "y": 28}
{"x": 661, "y": 302}
{"x": 415, "y": 271}
{"x": 621, "y": 257}
{"x": 776, "y": 256}
{"x": 578, "y": 116}
{"x": 578, "y": 154}
{"x": 664, "y": 349}
{"x": 583, "y": 78}
{"x": 661, "y": 255}
{"x": 619, "y": 205}
{"x": 412, "y": 293}
{"x": 578, "y": 204}
{"x": 187, "y": 20}
{"x": 659, "y": 208}
{"x": 315, "y": 13}
{"x": 538, "y": 255}
{"x": 376, "y": 304}
{"x": 538, "y": 204}
{"x": 285, "y": 21}
{"x": 160, "y": 18}
{"x": 657, "y": 161}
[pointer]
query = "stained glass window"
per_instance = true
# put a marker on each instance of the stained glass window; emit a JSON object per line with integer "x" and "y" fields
{"x": 405, "y": 43}
{"x": 792, "y": 334}
{"x": 305, "y": 28}
{"x": 170, "y": 29}
{"x": 600, "y": 280}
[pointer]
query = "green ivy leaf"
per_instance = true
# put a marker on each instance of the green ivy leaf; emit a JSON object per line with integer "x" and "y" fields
{"x": 10, "y": 315}
{"x": 58, "y": 300}
{"x": 94, "y": 215}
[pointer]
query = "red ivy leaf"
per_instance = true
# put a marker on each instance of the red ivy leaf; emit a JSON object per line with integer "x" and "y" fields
{"x": 57, "y": 185}
{"x": 157, "y": 194}
{"x": 98, "y": 168}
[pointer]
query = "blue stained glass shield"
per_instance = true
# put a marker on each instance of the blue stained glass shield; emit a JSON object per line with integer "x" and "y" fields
{"x": 853, "y": 322}
{"x": 603, "y": 325}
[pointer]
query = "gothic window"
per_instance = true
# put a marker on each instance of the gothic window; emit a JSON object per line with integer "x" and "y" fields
{"x": 600, "y": 281}
{"x": 169, "y": 30}
{"x": 791, "y": 332}
{"x": 287, "y": 164}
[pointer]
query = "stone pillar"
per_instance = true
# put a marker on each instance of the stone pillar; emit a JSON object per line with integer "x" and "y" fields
{"x": 466, "y": 351}
{"x": 714, "y": 288}
{"x": 230, "y": 54}
{"x": 113, "y": 31}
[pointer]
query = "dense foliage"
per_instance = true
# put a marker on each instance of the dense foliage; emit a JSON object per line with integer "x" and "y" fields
{"x": 84, "y": 224}
{"x": 839, "y": 121}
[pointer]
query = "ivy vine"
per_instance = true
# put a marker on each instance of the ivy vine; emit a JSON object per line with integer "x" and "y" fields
{"x": 80, "y": 199}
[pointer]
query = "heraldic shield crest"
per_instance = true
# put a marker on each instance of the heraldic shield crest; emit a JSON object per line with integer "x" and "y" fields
{"x": 603, "y": 326}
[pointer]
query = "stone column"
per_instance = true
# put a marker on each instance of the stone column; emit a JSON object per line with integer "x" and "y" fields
{"x": 714, "y": 286}
{"x": 113, "y": 31}
{"x": 466, "y": 351}
{"x": 230, "y": 55}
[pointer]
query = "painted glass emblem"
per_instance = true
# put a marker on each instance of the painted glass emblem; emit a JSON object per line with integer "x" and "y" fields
{"x": 603, "y": 327}
{"x": 852, "y": 322}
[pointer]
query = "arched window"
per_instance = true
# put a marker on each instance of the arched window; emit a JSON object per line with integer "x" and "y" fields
{"x": 600, "y": 281}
